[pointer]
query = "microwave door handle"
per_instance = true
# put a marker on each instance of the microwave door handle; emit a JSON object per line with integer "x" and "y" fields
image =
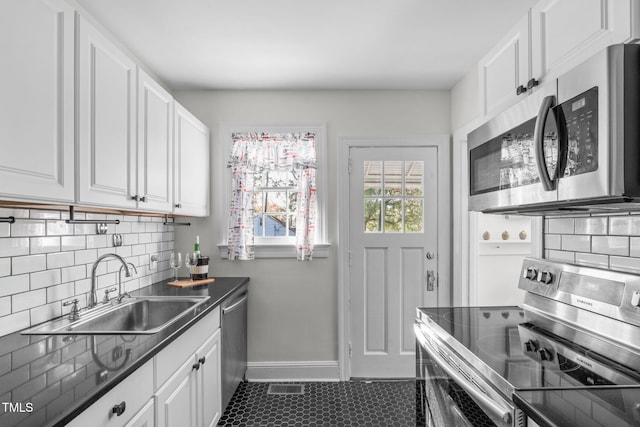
{"x": 538, "y": 136}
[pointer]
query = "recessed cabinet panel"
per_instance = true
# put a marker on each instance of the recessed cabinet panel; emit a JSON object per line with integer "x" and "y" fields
{"x": 191, "y": 188}
{"x": 565, "y": 33}
{"x": 106, "y": 114}
{"x": 36, "y": 112}
{"x": 505, "y": 68}
{"x": 155, "y": 145}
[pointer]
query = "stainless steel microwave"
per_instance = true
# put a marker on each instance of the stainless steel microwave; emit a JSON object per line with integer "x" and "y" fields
{"x": 571, "y": 146}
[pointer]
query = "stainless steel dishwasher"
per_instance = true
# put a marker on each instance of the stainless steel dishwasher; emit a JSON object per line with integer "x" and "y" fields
{"x": 234, "y": 342}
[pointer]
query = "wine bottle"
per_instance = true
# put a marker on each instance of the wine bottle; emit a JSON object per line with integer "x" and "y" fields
{"x": 196, "y": 247}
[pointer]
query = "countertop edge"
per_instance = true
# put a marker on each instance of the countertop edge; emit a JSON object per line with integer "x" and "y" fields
{"x": 126, "y": 372}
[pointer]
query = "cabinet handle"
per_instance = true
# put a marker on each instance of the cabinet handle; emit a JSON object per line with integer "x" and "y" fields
{"x": 136, "y": 198}
{"x": 143, "y": 199}
{"x": 532, "y": 83}
{"x": 196, "y": 366}
{"x": 178, "y": 205}
{"x": 202, "y": 360}
{"x": 520, "y": 90}
{"x": 119, "y": 409}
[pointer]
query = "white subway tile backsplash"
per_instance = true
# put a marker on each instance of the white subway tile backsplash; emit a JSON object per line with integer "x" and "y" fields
{"x": 591, "y": 225}
{"x": 14, "y": 246}
{"x": 27, "y": 300}
{"x": 73, "y": 243}
{"x": 28, "y": 264}
{"x": 610, "y": 245}
{"x": 634, "y": 248}
{"x": 45, "y": 279}
{"x": 624, "y": 225}
{"x": 40, "y": 245}
{"x": 60, "y": 259}
{"x": 44, "y": 261}
{"x": 561, "y": 225}
{"x": 592, "y": 260}
{"x": 576, "y": 243}
{"x": 561, "y": 256}
{"x": 14, "y": 284}
{"x": 5, "y": 267}
{"x": 631, "y": 265}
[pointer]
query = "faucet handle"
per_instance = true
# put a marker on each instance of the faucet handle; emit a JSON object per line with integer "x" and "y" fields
{"x": 74, "y": 314}
{"x": 105, "y": 300}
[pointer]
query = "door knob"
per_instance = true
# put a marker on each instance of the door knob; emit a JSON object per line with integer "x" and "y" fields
{"x": 430, "y": 255}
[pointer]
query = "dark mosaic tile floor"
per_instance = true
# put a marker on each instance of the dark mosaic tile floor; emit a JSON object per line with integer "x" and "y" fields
{"x": 349, "y": 404}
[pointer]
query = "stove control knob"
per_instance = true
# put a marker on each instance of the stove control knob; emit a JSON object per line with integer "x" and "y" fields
{"x": 635, "y": 299}
{"x": 545, "y": 355}
{"x": 530, "y": 273}
{"x": 545, "y": 277}
{"x": 531, "y": 346}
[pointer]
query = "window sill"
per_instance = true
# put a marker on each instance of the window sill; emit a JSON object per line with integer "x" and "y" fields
{"x": 320, "y": 250}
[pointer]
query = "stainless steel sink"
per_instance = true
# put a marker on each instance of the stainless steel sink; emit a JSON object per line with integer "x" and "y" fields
{"x": 143, "y": 315}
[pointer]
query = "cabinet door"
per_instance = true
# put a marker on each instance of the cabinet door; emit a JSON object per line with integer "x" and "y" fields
{"x": 36, "y": 111}
{"x": 176, "y": 400}
{"x": 191, "y": 188}
{"x": 155, "y": 145}
{"x": 566, "y": 32}
{"x": 209, "y": 383}
{"x": 106, "y": 114}
{"x": 135, "y": 391}
{"x": 145, "y": 416}
{"x": 505, "y": 68}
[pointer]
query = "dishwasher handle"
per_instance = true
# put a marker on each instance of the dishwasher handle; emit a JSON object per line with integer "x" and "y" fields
{"x": 237, "y": 303}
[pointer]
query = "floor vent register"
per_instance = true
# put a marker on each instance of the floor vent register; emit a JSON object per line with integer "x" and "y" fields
{"x": 286, "y": 389}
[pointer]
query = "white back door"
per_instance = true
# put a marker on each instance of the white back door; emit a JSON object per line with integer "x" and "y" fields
{"x": 393, "y": 239}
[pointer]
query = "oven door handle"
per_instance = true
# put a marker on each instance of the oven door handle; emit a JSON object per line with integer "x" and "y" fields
{"x": 503, "y": 412}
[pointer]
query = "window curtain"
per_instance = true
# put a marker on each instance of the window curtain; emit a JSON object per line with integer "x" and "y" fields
{"x": 256, "y": 152}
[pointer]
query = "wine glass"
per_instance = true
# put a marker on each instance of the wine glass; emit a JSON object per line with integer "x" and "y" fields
{"x": 190, "y": 260}
{"x": 175, "y": 263}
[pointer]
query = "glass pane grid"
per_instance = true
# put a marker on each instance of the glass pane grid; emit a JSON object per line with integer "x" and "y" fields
{"x": 400, "y": 209}
{"x": 274, "y": 211}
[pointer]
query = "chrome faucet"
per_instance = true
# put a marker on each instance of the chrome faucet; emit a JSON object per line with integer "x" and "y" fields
{"x": 93, "y": 296}
{"x": 121, "y": 294}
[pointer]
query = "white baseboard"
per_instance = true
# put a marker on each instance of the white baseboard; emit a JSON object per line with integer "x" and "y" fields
{"x": 293, "y": 371}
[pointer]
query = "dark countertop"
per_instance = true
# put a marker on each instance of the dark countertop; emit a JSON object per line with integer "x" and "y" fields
{"x": 585, "y": 407}
{"x": 55, "y": 377}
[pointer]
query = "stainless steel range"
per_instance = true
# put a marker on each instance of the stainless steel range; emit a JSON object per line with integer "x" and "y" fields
{"x": 578, "y": 328}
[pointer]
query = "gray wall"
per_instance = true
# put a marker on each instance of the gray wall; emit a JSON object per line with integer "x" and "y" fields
{"x": 293, "y": 305}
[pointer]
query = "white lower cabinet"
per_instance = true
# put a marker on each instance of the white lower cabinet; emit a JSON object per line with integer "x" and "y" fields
{"x": 122, "y": 403}
{"x": 145, "y": 416}
{"x": 181, "y": 386}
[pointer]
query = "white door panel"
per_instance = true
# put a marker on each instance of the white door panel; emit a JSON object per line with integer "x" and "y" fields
{"x": 393, "y": 224}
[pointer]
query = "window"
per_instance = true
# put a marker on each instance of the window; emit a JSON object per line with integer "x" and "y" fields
{"x": 393, "y": 196}
{"x": 274, "y": 209}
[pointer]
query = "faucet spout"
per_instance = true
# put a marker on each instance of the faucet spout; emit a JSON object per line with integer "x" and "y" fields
{"x": 93, "y": 296}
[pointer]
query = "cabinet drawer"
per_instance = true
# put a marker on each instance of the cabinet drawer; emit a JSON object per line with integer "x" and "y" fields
{"x": 135, "y": 391}
{"x": 169, "y": 360}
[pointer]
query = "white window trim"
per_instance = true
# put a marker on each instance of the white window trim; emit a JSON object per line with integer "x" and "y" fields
{"x": 264, "y": 248}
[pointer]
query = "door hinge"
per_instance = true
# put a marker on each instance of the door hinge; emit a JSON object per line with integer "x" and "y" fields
{"x": 350, "y": 351}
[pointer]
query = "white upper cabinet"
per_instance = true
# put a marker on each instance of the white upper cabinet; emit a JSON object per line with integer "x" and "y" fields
{"x": 155, "y": 145}
{"x": 37, "y": 110}
{"x": 191, "y": 185}
{"x": 567, "y": 32}
{"x": 107, "y": 121}
{"x": 504, "y": 71}
{"x": 554, "y": 37}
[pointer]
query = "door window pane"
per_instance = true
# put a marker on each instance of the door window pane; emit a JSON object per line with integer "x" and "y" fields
{"x": 393, "y": 216}
{"x": 372, "y": 178}
{"x": 413, "y": 216}
{"x": 414, "y": 173}
{"x": 393, "y": 178}
{"x": 372, "y": 214}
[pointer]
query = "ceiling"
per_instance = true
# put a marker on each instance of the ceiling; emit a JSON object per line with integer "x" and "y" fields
{"x": 310, "y": 45}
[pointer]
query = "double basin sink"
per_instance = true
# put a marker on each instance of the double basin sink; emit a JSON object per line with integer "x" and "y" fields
{"x": 135, "y": 316}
